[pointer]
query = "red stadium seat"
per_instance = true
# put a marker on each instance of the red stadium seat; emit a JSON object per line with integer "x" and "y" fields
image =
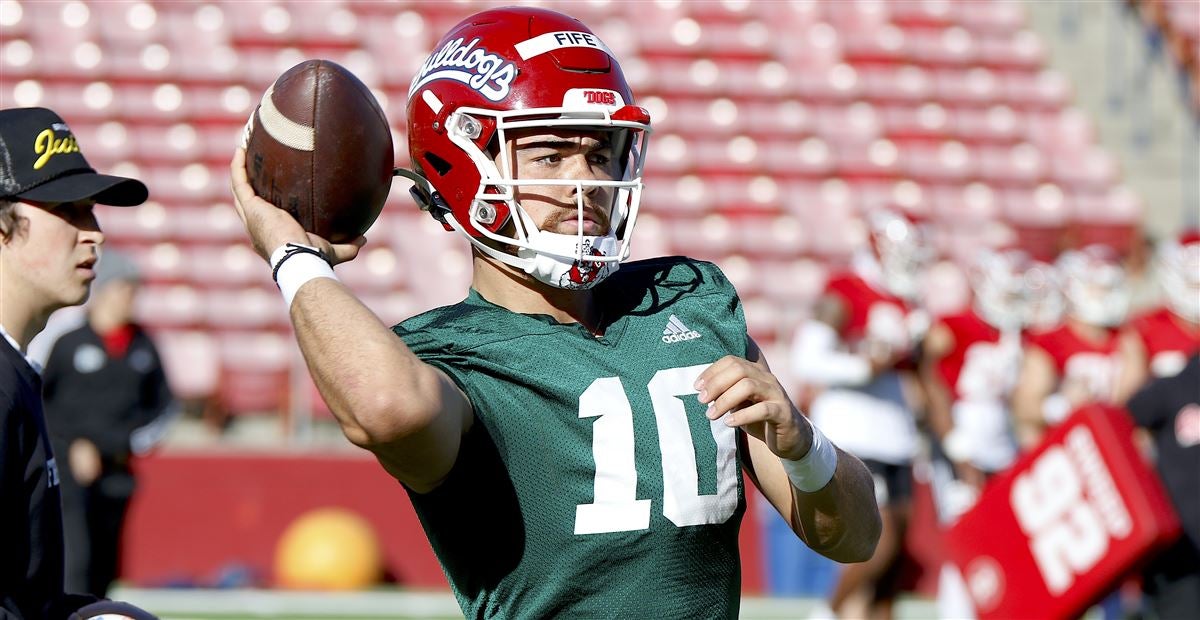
{"x": 376, "y": 269}
{"x": 254, "y": 371}
{"x": 812, "y": 157}
{"x": 905, "y": 83}
{"x": 170, "y": 306}
{"x": 966, "y": 206}
{"x": 254, "y": 308}
{"x": 924, "y": 15}
{"x": 1021, "y": 50}
{"x": 973, "y": 86}
{"x": 773, "y": 237}
{"x": 777, "y": 125}
{"x": 996, "y": 18}
{"x": 875, "y": 44}
{"x": 709, "y": 238}
{"x": 793, "y": 283}
{"x": 1093, "y": 170}
{"x": 869, "y": 159}
{"x": 1061, "y": 130}
{"x": 1019, "y": 165}
{"x": 997, "y": 124}
{"x": 227, "y": 265}
{"x": 945, "y": 162}
{"x": 1046, "y": 90}
{"x": 191, "y": 361}
{"x": 217, "y": 224}
{"x": 951, "y": 47}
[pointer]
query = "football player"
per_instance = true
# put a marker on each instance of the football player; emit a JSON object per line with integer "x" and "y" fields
{"x": 968, "y": 370}
{"x": 1161, "y": 340}
{"x": 852, "y": 354}
{"x": 1080, "y": 361}
{"x": 572, "y": 434}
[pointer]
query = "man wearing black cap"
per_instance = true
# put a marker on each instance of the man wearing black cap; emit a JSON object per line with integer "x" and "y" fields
{"x": 49, "y": 245}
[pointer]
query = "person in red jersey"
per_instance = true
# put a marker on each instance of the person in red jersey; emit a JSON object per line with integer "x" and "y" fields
{"x": 968, "y": 369}
{"x": 1161, "y": 340}
{"x": 969, "y": 366}
{"x": 850, "y": 354}
{"x": 1080, "y": 361}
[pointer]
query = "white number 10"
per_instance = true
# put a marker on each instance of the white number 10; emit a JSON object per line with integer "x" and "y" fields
{"x": 615, "y": 506}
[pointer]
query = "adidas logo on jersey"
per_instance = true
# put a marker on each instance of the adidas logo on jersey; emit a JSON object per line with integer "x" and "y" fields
{"x": 676, "y": 331}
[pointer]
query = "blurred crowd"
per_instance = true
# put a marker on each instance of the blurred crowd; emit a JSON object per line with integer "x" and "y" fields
{"x": 900, "y": 379}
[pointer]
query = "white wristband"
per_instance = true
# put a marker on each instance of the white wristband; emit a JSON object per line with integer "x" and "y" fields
{"x": 815, "y": 470}
{"x": 293, "y": 265}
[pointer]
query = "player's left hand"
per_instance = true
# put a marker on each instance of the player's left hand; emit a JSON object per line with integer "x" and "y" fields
{"x": 751, "y": 398}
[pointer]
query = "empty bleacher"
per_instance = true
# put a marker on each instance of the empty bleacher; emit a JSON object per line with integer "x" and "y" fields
{"x": 778, "y": 124}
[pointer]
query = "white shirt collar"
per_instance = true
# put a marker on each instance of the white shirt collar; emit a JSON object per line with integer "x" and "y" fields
{"x": 29, "y": 360}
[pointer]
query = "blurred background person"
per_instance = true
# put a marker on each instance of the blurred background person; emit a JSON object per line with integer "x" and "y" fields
{"x": 1160, "y": 340}
{"x": 1157, "y": 345}
{"x": 1044, "y": 306}
{"x": 107, "y": 399}
{"x": 1083, "y": 360}
{"x": 1079, "y": 361}
{"x": 851, "y": 354}
{"x": 1169, "y": 407}
{"x": 968, "y": 368}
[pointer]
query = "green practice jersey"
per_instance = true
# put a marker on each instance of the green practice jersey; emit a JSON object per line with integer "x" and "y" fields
{"x": 591, "y": 484}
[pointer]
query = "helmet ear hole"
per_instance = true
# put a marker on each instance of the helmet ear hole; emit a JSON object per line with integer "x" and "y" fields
{"x": 439, "y": 165}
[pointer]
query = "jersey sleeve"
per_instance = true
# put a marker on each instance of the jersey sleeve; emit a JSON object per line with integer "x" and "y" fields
{"x": 435, "y": 346}
{"x": 720, "y": 296}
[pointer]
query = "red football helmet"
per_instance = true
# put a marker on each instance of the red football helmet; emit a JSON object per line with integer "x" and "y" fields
{"x": 1179, "y": 274}
{"x": 515, "y": 68}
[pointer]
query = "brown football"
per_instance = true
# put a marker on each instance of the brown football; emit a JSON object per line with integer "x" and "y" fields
{"x": 319, "y": 146}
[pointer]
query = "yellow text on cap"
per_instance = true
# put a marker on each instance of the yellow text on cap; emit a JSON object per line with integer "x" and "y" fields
{"x": 47, "y": 146}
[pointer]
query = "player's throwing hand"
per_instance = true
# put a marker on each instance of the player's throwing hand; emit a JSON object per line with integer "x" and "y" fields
{"x": 271, "y": 227}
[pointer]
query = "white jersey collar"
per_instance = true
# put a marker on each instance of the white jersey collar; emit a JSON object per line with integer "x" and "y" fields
{"x": 28, "y": 360}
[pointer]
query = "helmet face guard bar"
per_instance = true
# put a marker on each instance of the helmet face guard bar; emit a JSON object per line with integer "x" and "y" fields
{"x": 497, "y": 185}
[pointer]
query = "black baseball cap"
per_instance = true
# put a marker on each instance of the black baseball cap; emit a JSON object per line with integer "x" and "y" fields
{"x": 40, "y": 161}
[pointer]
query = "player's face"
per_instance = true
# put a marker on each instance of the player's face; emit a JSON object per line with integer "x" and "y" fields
{"x": 54, "y": 250}
{"x": 568, "y": 155}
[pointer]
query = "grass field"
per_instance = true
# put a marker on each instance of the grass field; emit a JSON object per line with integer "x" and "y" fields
{"x": 197, "y": 604}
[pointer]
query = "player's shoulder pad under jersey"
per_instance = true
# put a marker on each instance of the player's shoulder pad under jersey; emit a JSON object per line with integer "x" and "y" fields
{"x": 671, "y": 273}
{"x": 435, "y": 330}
